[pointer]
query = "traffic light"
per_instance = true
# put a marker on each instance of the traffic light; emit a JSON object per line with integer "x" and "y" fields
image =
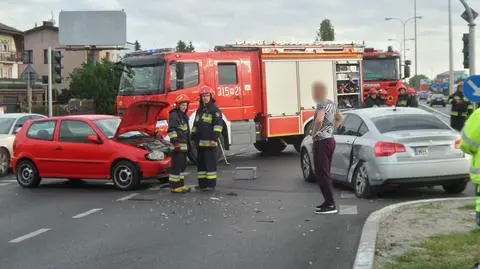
{"x": 466, "y": 51}
{"x": 57, "y": 66}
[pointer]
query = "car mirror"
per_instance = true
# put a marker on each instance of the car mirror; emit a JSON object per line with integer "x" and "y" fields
{"x": 17, "y": 130}
{"x": 94, "y": 139}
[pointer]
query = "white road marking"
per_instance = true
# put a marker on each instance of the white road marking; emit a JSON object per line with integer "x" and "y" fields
{"x": 127, "y": 197}
{"x": 4, "y": 184}
{"x": 109, "y": 183}
{"x": 9, "y": 180}
{"x": 30, "y": 235}
{"x": 347, "y": 195}
{"x": 347, "y": 210}
{"x": 86, "y": 213}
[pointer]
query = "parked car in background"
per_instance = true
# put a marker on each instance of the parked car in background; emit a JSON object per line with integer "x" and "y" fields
{"x": 10, "y": 124}
{"x": 93, "y": 147}
{"x": 393, "y": 147}
{"x": 438, "y": 99}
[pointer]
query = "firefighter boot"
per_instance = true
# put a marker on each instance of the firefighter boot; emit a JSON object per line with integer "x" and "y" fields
{"x": 183, "y": 189}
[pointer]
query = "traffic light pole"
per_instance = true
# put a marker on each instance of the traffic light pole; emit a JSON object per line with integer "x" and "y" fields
{"x": 50, "y": 73}
{"x": 471, "y": 42}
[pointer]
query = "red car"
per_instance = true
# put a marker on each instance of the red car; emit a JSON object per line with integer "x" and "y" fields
{"x": 93, "y": 147}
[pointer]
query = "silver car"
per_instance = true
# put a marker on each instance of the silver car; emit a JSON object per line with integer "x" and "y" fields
{"x": 10, "y": 124}
{"x": 393, "y": 147}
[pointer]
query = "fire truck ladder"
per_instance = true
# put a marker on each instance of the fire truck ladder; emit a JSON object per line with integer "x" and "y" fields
{"x": 315, "y": 47}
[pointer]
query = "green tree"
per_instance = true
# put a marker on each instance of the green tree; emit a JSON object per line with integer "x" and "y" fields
{"x": 182, "y": 46}
{"x": 137, "y": 45}
{"x": 415, "y": 81}
{"x": 99, "y": 82}
{"x": 326, "y": 31}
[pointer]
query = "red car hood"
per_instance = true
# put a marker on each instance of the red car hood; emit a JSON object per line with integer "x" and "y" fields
{"x": 141, "y": 116}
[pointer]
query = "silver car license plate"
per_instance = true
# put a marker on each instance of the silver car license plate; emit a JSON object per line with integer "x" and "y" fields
{"x": 421, "y": 151}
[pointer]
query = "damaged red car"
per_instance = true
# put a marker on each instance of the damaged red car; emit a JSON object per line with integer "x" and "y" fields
{"x": 124, "y": 150}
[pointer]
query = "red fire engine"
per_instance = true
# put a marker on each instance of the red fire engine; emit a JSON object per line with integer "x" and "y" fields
{"x": 264, "y": 90}
{"x": 382, "y": 70}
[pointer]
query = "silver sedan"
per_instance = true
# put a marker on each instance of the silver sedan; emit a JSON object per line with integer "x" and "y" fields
{"x": 10, "y": 124}
{"x": 393, "y": 147}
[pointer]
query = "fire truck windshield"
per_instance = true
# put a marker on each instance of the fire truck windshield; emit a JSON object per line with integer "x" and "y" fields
{"x": 142, "y": 77}
{"x": 381, "y": 69}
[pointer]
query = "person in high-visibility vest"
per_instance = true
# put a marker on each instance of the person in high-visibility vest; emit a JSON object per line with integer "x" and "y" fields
{"x": 461, "y": 108}
{"x": 179, "y": 133}
{"x": 470, "y": 144}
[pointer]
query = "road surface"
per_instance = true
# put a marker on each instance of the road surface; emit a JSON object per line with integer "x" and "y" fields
{"x": 264, "y": 223}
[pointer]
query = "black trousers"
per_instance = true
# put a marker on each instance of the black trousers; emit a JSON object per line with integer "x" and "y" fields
{"x": 322, "y": 154}
{"x": 457, "y": 122}
{"x": 179, "y": 164}
{"x": 206, "y": 167}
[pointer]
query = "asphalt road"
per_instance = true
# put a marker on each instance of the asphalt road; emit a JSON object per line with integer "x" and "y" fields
{"x": 264, "y": 223}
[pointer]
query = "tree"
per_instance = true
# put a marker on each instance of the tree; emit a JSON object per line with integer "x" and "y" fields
{"x": 183, "y": 47}
{"x": 415, "y": 81}
{"x": 137, "y": 45}
{"x": 99, "y": 82}
{"x": 326, "y": 31}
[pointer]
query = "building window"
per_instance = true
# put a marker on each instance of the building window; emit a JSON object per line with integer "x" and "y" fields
{"x": 227, "y": 74}
{"x": 45, "y": 56}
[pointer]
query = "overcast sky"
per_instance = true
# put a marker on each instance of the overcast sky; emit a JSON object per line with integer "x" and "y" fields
{"x": 157, "y": 24}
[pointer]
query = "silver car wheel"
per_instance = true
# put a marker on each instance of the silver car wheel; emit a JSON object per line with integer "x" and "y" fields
{"x": 306, "y": 165}
{"x": 26, "y": 174}
{"x": 123, "y": 175}
{"x": 361, "y": 180}
{"x": 4, "y": 162}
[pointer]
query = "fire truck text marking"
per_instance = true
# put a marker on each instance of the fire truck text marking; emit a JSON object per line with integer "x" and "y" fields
{"x": 229, "y": 91}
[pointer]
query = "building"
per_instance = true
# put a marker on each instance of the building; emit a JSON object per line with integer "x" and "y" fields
{"x": 441, "y": 82}
{"x": 38, "y": 40}
{"x": 11, "y": 46}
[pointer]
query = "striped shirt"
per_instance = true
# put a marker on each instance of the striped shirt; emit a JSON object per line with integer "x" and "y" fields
{"x": 328, "y": 125}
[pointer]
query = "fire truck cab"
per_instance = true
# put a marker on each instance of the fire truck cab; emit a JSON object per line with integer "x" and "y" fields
{"x": 263, "y": 90}
{"x": 382, "y": 69}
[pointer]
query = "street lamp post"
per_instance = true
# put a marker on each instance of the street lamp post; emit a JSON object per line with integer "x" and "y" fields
{"x": 416, "y": 37}
{"x": 404, "y": 24}
{"x": 402, "y": 46}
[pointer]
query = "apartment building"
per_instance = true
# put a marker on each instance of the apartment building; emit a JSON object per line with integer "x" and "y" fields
{"x": 11, "y": 44}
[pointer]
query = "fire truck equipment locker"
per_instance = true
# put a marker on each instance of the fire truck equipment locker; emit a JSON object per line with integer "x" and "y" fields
{"x": 281, "y": 87}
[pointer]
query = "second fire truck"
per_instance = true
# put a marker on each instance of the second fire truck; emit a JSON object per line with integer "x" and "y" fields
{"x": 264, "y": 90}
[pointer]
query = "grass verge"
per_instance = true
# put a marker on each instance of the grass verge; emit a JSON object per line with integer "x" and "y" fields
{"x": 468, "y": 207}
{"x": 448, "y": 251}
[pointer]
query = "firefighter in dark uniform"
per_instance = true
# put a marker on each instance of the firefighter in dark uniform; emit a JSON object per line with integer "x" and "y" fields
{"x": 382, "y": 101}
{"x": 403, "y": 98}
{"x": 206, "y": 130}
{"x": 412, "y": 100}
{"x": 179, "y": 133}
{"x": 372, "y": 97}
{"x": 461, "y": 108}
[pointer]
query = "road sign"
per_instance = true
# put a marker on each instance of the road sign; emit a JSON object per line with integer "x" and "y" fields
{"x": 30, "y": 75}
{"x": 465, "y": 15}
{"x": 471, "y": 88}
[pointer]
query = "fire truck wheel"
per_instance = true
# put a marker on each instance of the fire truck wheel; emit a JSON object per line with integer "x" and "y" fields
{"x": 192, "y": 153}
{"x": 271, "y": 147}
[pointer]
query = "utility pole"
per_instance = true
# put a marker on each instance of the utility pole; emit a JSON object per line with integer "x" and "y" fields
{"x": 29, "y": 91}
{"x": 416, "y": 37}
{"x": 450, "y": 48}
{"x": 50, "y": 73}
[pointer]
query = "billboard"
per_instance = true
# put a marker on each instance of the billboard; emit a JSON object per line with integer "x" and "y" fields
{"x": 92, "y": 28}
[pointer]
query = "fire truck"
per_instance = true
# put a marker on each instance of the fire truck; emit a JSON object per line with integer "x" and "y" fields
{"x": 381, "y": 69}
{"x": 263, "y": 90}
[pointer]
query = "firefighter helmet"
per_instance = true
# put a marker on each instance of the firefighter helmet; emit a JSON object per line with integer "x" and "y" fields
{"x": 372, "y": 91}
{"x": 382, "y": 92}
{"x": 206, "y": 90}
{"x": 182, "y": 98}
{"x": 411, "y": 91}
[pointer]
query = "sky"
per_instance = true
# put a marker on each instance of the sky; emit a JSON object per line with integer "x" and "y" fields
{"x": 160, "y": 24}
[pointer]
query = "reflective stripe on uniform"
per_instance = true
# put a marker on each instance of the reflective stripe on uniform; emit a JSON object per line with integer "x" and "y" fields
{"x": 201, "y": 175}
{"x": 183, "y": 147}
{"x": 172, "y": 134}
{"x": 205, "y": 143}
{"x": 218, "y": 128}
{"x": 207, "y": 118}
{"x": 469, "y": 141}
{"x": 174, "y": 178}
{"x": 194, "y": 129}
{"x": 454, "y": 113}
{"x": 477, "y": 204}
{"x": 212, "y": 175}
{"x": 183, "y": 127}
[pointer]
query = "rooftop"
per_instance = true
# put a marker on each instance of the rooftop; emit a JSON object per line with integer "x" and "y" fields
{"x": 47, "y": 25}
{"x": 5, "y": 29}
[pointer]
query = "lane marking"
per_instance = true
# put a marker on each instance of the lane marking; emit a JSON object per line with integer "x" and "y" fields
{"x": 30, "y": 235}
{"x": 109, "y": 183}
{"x": 347, "y": 195}
{"x": 128, "y": 197}
{"x": 348, "y": 210}
{"x": 86, "y": 213}
{"x": 4, "y": 184}
{"x": 9, "y": 180}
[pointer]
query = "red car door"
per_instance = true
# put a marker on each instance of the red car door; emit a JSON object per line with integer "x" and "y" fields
{"x": 40, "y": 145}
{"x": 81, "y": 158}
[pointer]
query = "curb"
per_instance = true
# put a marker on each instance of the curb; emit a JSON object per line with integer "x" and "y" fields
{"x": 366, "y": 247}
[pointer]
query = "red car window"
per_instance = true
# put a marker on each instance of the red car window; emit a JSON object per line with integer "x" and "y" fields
{"x": 42, "y": 130}
{"x": 75, "y": 131}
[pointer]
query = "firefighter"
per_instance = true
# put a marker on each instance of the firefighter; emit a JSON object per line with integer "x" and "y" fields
{"x": 179, "y": 133}
{"x": 470, "y": 144}
{"x": 371, "y": 100}
{"x": 461, "y": 108}
{"x": 403, "y": 98}
{"x": 412, "y": 100}
{"x": 382, "y": 100}
{"x": 206, "y": 130}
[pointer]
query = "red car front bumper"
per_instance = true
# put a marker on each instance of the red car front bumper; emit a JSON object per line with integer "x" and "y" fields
{"x": 152, "y": 169}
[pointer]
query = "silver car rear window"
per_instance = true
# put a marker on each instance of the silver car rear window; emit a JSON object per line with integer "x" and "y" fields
{"x": 404, "y": 122}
